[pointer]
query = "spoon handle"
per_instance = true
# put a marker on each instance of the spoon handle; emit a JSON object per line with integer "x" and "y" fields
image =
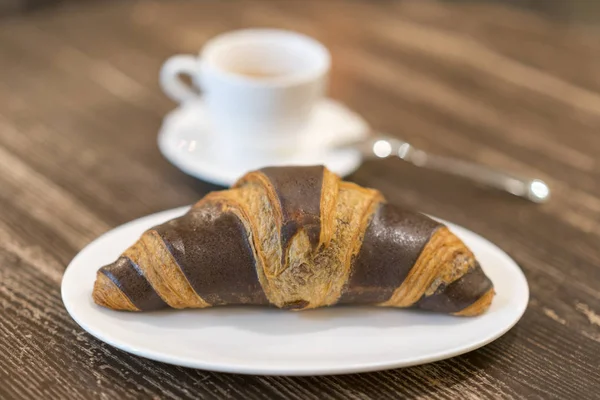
{"x": 532, "y": 189}
{"x": 383, "y": 146}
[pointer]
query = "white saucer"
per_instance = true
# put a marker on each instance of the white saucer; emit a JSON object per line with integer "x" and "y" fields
{"x": 187, "y": 141}
{"x": 254, "y": 340}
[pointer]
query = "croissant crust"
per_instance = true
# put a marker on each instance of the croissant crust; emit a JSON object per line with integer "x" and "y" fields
{"x": 296, "y": 238}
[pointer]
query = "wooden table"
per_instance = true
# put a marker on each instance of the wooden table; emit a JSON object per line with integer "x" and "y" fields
{"x": 79, "y": 112}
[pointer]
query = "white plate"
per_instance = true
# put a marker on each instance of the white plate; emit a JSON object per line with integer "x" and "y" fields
{"x": 255, "y": 340}
{"x": 186, "y": 139}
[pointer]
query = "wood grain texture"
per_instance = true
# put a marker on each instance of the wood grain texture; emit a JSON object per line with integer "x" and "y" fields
{"x": 512, "y": 88}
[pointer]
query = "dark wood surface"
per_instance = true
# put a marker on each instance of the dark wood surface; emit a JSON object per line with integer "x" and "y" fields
{"x": 79, "y": 112}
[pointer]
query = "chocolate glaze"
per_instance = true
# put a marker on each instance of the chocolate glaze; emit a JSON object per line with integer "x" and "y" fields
{"x": 459, "y": 294}
{"x": 212, "y": 249}
{"x": 299, "y": 192}
{"x": 392, "y": 243}
{"x": 129, "y": 278}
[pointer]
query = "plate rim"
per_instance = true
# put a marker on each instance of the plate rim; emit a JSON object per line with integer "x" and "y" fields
{"x": 290, "y": 371}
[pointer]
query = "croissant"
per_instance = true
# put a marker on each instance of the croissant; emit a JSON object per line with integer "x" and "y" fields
{"x": 296, "y": 238}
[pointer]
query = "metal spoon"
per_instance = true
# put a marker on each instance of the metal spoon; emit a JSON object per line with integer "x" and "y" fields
{"x": 380, "y": 146}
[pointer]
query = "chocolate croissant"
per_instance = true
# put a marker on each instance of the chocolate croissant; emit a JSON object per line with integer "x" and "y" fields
{"x": 296, "y": 238}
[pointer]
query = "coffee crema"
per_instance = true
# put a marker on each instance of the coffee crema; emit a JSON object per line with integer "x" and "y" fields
{"x": 253, "y": 73}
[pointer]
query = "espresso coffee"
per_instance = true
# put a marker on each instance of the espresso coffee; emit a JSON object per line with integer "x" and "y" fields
{"x": 253, "y": 73}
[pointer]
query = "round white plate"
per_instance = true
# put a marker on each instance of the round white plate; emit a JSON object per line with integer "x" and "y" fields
{"x": 186, "y": 139}
{"x": 255, "y": 340}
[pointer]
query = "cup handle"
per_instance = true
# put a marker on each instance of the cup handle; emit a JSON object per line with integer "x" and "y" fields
{"x": 170, "y": 82}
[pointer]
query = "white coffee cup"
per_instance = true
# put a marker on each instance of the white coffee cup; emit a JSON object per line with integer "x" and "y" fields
{"x": 259, "y": 87}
